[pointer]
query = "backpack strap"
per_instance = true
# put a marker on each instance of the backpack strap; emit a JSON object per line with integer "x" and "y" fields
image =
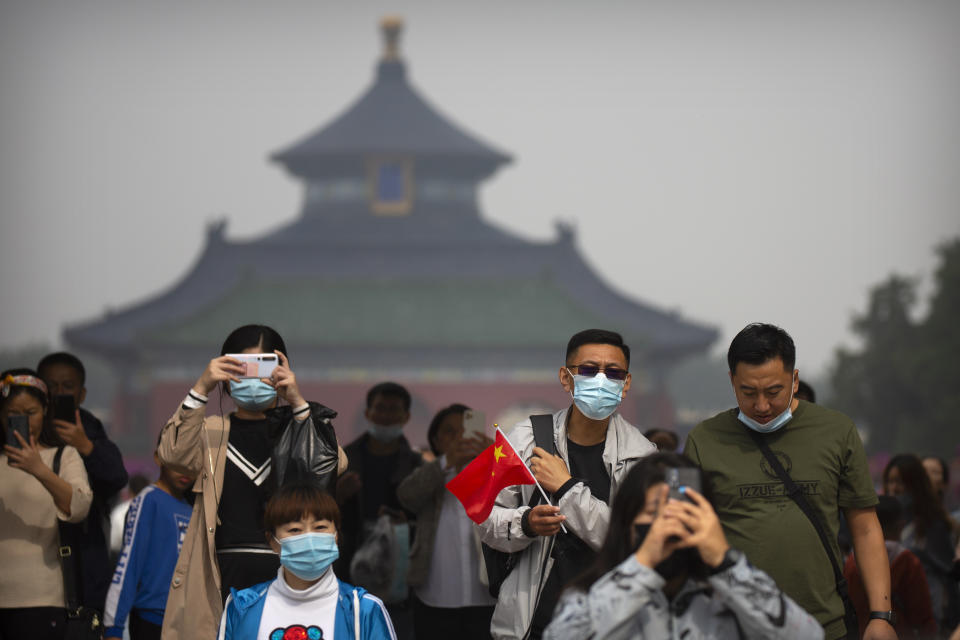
{"x": 543, "y": 438}
{"x": 543, "y": 432}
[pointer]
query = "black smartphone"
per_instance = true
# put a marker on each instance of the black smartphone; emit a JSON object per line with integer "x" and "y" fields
{"x": 65, "y": 408}
{"x": 18, "y": 424}
{"x": 682, "y": 477}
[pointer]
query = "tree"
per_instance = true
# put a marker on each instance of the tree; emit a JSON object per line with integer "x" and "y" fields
{"x": 903, "y": 385}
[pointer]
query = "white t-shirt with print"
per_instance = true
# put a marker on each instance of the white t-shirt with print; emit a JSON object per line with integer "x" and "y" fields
{"x": 287, "y": 607}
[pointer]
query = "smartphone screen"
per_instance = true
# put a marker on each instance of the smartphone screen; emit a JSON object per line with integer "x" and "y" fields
{"x": 474, "y": 423}
{"x": 683, "y": 477}
{"x": 256, "y": 365}
{"x": 65, "y": 408}
{"x": 17, "y": 424}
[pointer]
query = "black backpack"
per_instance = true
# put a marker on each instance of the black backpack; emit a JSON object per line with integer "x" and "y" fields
{"x": 499, "y": 564}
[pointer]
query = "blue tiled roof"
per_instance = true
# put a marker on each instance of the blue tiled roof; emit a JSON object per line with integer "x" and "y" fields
{"x": 391, "y": 117}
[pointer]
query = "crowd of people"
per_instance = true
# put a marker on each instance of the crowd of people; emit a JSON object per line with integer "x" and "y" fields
{"x": 261, "y": 524}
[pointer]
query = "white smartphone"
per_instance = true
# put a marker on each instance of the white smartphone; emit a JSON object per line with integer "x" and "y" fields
{"x": 474, "y": 423}
{"x": 256, "y": 365}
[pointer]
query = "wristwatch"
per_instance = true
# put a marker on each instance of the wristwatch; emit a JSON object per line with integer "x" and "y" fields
{"x": 889, "y": 616}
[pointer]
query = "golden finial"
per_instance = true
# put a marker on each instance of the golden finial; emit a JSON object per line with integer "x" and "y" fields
{"x": 391, "y": 26}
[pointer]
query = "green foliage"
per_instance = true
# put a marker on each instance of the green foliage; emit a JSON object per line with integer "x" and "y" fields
{"x": 902, "y": 386}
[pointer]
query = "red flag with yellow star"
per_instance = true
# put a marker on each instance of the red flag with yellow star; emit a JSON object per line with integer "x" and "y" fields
{"x": 497, "y": 467}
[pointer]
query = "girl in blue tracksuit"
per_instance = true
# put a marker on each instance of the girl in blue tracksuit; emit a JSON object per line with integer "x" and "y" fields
{"x": 306, "y": 601}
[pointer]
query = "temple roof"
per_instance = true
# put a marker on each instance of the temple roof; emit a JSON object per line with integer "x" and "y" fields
{"x": 491, "y": 291}
{"x": 391, "y": 117}
{"x": 346, "y": 280}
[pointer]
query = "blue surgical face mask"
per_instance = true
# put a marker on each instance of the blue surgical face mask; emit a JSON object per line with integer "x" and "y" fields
{"x": 308, "y": 555}
{"x": 384, "y": 433}
{"x": 252, "y": 394}
{"x": 596, "y": 397}
{"x": 775, "y": 423}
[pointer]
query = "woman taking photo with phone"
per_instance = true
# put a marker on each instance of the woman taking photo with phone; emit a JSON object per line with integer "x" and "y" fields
{"x": 33, "y": 498}
{"x": 235, "y": 458}
{"x": 665, "y": 570}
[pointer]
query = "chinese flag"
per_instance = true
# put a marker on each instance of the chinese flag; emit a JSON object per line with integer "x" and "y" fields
{"x": 477, "y": 486}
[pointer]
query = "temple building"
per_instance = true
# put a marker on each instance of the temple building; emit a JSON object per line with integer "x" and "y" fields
{"x": 390, "y": 272}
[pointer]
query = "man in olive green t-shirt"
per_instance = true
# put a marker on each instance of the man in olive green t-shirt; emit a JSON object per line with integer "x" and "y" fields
{"x": 821, "y": 451}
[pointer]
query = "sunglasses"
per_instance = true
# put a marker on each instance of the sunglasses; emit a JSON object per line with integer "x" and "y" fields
{"x": 591, "y": 370}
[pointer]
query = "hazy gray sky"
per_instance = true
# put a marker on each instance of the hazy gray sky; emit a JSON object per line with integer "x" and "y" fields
{"x": 736, "y": 161}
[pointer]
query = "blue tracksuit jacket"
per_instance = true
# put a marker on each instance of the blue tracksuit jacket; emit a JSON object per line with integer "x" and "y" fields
{"x": 154, "y": 531}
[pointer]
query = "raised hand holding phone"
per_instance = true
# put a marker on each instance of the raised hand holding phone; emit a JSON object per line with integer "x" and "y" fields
{"x": 25, "y": 455}
{"x": 665, "y": 535}
{"x": 73, "y": 433}
{"x": 285, "y": 382}
{"x": 17, "y": 424}
{"x": 699, "y": 518}
{"x": 221, "y": 369}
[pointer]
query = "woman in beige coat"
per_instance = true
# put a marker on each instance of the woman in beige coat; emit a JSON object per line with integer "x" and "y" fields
{"x": 33, "y": 500}
{"x": 230, "y": 455}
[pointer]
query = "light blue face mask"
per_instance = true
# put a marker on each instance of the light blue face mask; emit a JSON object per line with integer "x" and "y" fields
{"x": 775, "y": 423}
{"x": 308, "y": 555}
{"x": 252, "y": 394}
{"x": 597, "y": 397}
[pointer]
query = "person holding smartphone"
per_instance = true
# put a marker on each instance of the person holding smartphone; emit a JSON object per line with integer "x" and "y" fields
{"x": 231, "y": 457}
{"x": 595, "y": 448}
{"x": 665, "y": 570}
{"x": 444, "y": 572}
{"x": 66, "y": 377}
{"x": 32, "y": 499}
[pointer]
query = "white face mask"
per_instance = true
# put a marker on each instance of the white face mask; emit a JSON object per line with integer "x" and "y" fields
{"x": 387, "y": 433}
{"x": 773, "y": 424}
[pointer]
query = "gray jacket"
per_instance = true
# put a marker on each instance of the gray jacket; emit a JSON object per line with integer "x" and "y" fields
{"x": 628, "y": 602}
{"x": 422, "y": 493}
{"x": 587, "y": 518}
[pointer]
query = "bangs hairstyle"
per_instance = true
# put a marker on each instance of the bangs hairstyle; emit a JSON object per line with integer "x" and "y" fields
{"x": 293, "y": 501}
{"x": 254, "y": 335}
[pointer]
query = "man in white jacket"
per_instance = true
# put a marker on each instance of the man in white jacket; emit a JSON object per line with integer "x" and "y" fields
{"x": 595, "y": 447}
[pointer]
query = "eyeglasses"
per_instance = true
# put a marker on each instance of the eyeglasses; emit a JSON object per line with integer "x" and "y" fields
{"x": 591, "y": 370}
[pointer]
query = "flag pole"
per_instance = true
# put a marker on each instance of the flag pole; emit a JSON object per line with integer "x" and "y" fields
{"x": 537, "y": 482}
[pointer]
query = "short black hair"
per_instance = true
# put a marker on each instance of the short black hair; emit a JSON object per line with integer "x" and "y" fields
{"x": 805, "y": 391}
{"x": 758, "y": 343}
{"x": 456, "y": 408}
{"x": 293, "y": 501}
{"x": 64, "y": 358}
{"x": 389, "y": 390}
{"x": 597, "y": 336}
